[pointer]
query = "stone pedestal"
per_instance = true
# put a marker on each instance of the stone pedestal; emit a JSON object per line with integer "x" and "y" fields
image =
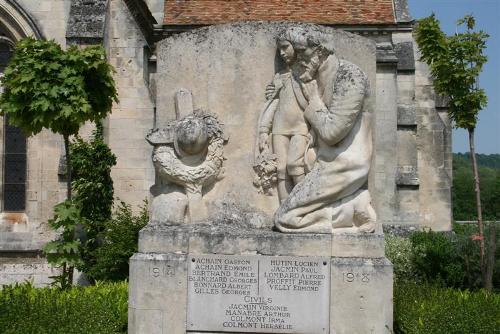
{"x": 358, "y": 291}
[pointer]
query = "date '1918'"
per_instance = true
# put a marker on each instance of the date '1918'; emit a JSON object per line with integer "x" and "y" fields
{"x": 350, "y": 277}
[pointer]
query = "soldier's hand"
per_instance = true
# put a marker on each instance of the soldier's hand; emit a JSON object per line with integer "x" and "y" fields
{"x": 270, "y": 91}
{"x": 310, "y": 90}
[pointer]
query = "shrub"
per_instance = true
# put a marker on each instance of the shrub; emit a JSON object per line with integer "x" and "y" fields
{"x": 451, "y": 259}
{"x": 468, "y": 249}
{"x": 65, "y": 251}
{"x": 91, "y": 163}
{"x": 427, "y": 309}
{"x": 119, "y": 243}
{"x": 96, "y": 309}
{"x": 399, "y": 251}
{"x": 435, "y": 259}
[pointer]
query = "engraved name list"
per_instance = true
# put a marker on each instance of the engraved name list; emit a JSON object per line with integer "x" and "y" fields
{"x": 258, "y": 294}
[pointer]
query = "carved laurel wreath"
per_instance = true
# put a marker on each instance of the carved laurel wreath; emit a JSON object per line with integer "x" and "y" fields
{"x": 171, "y": 167}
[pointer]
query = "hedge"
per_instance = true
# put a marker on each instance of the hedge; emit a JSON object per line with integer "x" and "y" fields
{"x": 427, "y": 309}
{"x": 418, "y": 309}
{"x": 86, "y": 310}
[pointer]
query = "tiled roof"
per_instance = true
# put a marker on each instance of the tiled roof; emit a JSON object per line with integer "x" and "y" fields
{"x": 193, "y": 12}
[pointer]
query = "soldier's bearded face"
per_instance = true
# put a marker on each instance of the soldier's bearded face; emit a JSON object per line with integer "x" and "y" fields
{"x": 308, "y": 58}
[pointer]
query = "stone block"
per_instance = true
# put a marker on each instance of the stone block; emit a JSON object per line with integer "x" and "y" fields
{"x": 404, "y": 53}
{"x": 16, "y": 241}
{"x": 209, "y": 238}
{"x": 402, "y": 12}
{"x": 33, "y": 269}
{"x": 407, "y": 115}
{"x": 407, "y": 146}
{"x": 128, "y": 185}
{"x": 361, "y": 296}
{"x": 442, "y": 101}
{"x": 358, "y": 245}
{"x": 406, "y": 88}
{"x": 386, "y": 54}
{"x": 408, "y": 205}
{"x": 86, "y": 21}
{"x": 407, "y": 176}
{"x": 144, "y": 321}
{"x": 358, "y": 286}
{"x": 157, "y": 293}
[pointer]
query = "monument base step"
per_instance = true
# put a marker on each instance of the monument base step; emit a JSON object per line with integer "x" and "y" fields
{"x": 236, "y": 239}
{"x": 221, "y": 279}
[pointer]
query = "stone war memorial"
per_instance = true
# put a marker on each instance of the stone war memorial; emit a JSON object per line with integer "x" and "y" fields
{"x": 261, "y": 218}
{"x": 275, "y": 142}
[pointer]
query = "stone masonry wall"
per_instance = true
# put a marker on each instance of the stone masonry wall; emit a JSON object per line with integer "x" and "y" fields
{"x": 28, "y": 232}
{"x": 133, "y": 116}
{"x": 412, "y": 165}
{"x": 44, "y": 188}
{"x": 434, "y": 154}
{"x": 407, "y": 181}
{"x": 384, "y": 166}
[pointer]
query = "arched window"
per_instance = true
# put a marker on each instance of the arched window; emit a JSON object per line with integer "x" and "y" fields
{"x": 14, "y": 157}
{"x": 15, "y": 23}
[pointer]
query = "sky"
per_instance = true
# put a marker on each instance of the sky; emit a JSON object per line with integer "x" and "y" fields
{"x": 487, "y": 15}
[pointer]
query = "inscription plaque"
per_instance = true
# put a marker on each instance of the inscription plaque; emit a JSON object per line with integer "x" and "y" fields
{"x": 258, "y": 294}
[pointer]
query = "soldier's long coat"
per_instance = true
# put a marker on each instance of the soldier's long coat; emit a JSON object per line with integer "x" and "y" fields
{"x": 344, "y": 149}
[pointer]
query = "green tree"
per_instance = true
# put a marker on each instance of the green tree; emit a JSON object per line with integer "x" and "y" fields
{"x": 93, "y": 190}
{"x": 455, "y": 62}
{"x": 463, "y": 187}
{"x": 48, "y": 87}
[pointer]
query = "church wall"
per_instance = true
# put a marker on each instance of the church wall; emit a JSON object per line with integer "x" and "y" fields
{"x": 384, "y": 167}
{"x": 26, "y": 234}
{"x": 133, "y": 116}
{"x": 434, "y": 154}
{"x": 51, "y": 17}
{"x": 407, "y": 173}
{"x": 412, "y": 163}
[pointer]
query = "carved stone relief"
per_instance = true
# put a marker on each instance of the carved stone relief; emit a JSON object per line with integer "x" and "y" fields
{"x": 188, "y": 155}
{"x": 314, "y": 138}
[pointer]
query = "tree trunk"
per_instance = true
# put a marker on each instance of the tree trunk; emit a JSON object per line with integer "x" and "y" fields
{"x": 71, "y": 270}
{"x": 68, "y": 196}
{"x": 68, "y": 167}
{"x": 478, "y": 204}
{"x": 63, "y": 277}
{"x": 490, "y": 263}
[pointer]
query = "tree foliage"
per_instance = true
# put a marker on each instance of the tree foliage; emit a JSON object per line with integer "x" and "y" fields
{"x": 92, "y": 182}
{"x": 464, "y": 207}
{"x": 65, "y": 251}
{"x": 47, "y": 87}
{"x": 455, "y": 62}
{"x": 93, "y": 186}
{"x": 484, "y": 160}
